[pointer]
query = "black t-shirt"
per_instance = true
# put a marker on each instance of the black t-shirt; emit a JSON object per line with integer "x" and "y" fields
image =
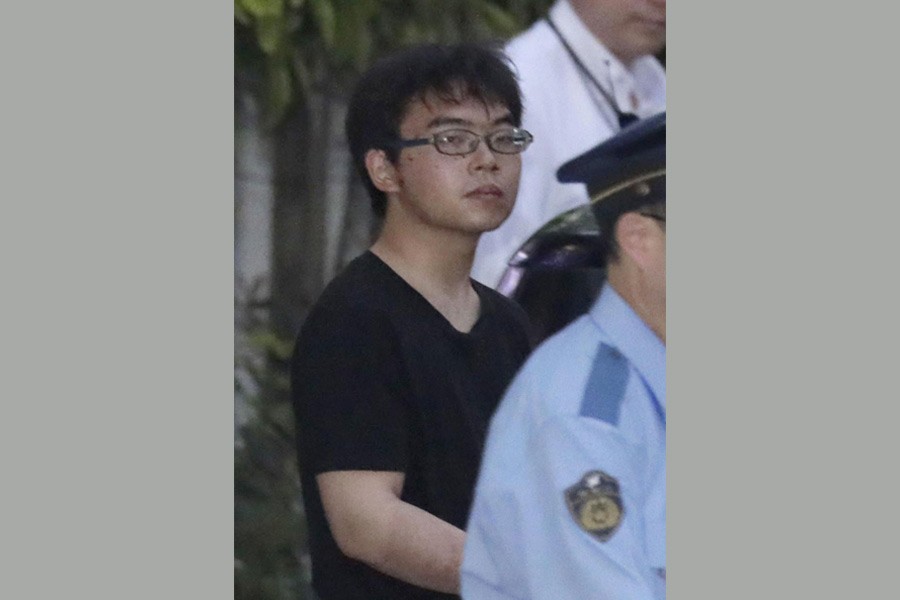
{"x": 382, "y": 381}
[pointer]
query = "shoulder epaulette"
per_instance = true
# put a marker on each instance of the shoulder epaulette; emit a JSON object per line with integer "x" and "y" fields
{"x": 605, "y": 387}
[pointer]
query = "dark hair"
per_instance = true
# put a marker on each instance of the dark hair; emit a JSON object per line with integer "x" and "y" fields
{"x": 451, "y": 72}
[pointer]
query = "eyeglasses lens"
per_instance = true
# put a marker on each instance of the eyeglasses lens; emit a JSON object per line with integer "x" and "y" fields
{"x": 461, "y": 141}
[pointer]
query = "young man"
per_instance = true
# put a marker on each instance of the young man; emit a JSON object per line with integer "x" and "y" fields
{"x": 571, "y": 498}
{"x": 584, "y": 68}
{"x": 400, "y": 364}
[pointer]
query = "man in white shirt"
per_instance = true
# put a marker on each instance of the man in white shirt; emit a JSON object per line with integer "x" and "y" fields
{"x": 585, "y": 68}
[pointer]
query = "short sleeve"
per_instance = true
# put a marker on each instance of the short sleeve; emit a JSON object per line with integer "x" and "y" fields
{"x": 350, "y": 401}
{"x": 524, "y": 539}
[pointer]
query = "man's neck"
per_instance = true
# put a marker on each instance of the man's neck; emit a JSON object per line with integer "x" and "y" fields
{"x": 593, "y": 22}
{"x": 436, "y": 268}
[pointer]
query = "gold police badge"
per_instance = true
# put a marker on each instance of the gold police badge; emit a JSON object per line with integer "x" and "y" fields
{"x": 596, "y": 505}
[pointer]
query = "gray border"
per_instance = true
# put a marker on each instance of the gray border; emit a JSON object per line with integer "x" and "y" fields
{"x": 783, "y": 335}
{"x": 117, "y": 240}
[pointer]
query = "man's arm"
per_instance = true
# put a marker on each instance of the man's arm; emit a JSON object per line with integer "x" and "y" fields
{"x": 371, "y": 524}
{"x": 523, "y": 540}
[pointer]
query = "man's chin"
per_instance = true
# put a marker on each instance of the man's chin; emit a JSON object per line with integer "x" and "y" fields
{"x": 492, "y": 224}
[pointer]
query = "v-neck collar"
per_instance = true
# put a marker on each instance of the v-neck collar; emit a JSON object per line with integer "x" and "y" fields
{"x": 483, "y": 304}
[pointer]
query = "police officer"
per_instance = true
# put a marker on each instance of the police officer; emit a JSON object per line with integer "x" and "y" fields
{"x": 570, "y": 500}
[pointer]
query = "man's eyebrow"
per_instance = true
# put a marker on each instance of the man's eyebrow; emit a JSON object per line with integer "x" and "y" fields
{"x": 506, "y": 119}
{"x": 442, "y": 121}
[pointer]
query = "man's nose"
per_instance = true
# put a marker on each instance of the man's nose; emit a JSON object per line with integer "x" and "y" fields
{"x": 483, "y": 157}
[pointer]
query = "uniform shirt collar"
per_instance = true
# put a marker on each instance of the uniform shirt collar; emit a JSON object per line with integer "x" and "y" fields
{"x": 628, "y": 332}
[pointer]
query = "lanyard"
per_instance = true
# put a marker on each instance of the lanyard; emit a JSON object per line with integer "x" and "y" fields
{"x": 623, "y": 118}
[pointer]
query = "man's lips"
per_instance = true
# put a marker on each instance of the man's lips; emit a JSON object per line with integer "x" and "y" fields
{"x": 485, "y": 191}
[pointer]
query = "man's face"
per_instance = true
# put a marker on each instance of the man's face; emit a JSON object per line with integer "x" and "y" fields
{"x": 473, "y": 193}
{"x": 629, "y": 28}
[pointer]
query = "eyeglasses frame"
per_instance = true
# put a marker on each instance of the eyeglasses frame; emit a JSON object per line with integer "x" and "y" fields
{"x": 432, "y": 140}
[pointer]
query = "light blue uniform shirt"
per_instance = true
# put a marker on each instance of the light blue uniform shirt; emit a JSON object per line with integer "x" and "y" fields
{"x": 587, "y": 407}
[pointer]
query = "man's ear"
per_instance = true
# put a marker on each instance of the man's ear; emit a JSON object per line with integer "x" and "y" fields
{"x": 382, "y": 172}
{"x": 634, "y": 237}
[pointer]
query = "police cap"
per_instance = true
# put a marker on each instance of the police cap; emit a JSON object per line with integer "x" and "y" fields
{"x": 626, "y": 171}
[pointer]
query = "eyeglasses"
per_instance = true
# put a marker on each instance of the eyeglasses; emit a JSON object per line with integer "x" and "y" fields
{"x": 459, "y": 142}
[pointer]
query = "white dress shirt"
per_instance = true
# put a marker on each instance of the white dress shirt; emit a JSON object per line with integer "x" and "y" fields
{"x": 567, "y": 116}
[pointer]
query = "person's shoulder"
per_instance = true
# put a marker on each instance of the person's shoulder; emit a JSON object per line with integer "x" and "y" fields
{"x": 548, "y": 389}
{"x": 361, "y": 271}
{"x": 553, "y": 375}
{"x": 530, "y": 38}
{"x": 579, "y": 337}
{"x": 532, "y": 47}
{"x": 353, "y": 296}
{"x": 543, "y": 68}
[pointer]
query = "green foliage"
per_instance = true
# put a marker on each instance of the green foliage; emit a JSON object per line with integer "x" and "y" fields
{"x": 499, "y": 20}
{"x": 300, "y": 45}
{"x": 269, "y": 525}
{"x": 326, "y": 20}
